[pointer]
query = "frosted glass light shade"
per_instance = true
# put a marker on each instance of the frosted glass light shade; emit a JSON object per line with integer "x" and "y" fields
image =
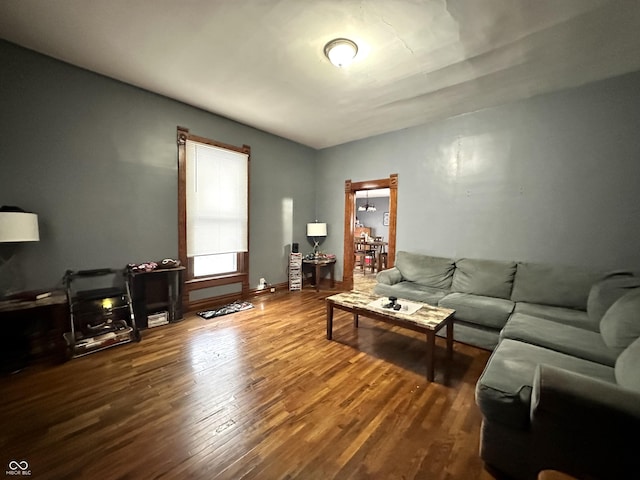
{"x": 316, "y": 229}
{"x": 19, "y": 227}
{"x": 341, "y": 51}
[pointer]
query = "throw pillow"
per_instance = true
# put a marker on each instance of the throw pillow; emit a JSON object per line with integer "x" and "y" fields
{"x": 628, "y": 366}
{"x": 605, "y": 292}
{"x": 620, "y": 325}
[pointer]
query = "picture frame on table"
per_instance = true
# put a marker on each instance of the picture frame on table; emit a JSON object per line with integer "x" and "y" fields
{"x": 385, "y": 219}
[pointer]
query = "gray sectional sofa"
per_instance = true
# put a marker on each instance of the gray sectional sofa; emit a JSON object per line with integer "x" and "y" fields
{"x": 561, "y": 389}
{"x": 486, "y": 293}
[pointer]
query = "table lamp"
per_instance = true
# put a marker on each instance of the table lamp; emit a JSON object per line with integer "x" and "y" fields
{"x": 315, "y": 230}
{"x": 16, "y": 226}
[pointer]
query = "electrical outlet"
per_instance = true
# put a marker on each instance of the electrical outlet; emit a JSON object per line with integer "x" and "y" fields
{"x": 273, "y": 289}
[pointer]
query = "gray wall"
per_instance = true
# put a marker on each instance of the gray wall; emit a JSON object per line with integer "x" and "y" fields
{"x": 552, "y": 179}
{"x": 97, "y": 160}
{"x": 374, "y": 220}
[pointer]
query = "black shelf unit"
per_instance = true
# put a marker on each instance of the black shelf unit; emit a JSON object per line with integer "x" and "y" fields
{"x": 156, "y": 291}
{"x": 100, "y": 317}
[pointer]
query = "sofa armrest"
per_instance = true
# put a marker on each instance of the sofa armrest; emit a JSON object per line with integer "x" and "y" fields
{"x": 389, "y": 277}
{"x": 574, "y": 398}
{"x": 583, "y": 426}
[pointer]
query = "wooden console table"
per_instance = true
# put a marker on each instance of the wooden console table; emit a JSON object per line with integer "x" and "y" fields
{"x": 32, "y": 330}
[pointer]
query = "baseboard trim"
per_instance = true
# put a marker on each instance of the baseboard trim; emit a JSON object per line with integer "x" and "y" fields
{"x": 210, "y": 302}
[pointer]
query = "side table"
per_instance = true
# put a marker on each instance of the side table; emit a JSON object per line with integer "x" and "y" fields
{"x": 157, "y": 290}
{"x": 318, "y": 265}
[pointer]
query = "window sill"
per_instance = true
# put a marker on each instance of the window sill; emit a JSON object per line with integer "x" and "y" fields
{"x": 215, "y": 280}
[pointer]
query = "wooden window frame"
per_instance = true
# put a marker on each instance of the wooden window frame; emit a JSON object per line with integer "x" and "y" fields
{"x": 196, "y": 283}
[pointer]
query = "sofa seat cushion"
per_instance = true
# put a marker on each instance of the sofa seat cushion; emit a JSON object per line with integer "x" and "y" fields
{"x": 410, "y": 291}
{"x": 550, "y": 284}
{"x": 486, "y": 311}
{"x": 490, "y": 278}
{"x": 568, "y": 316}
{"x": 503, "y": 391}
{"x": 562, "y": 338}
{"x": 473, "y": 334}
{"x": 620, "y": 325}
{"x": 435, "y": 272}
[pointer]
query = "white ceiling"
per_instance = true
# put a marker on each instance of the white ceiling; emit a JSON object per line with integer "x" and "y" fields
{"x": 261, "y": 62}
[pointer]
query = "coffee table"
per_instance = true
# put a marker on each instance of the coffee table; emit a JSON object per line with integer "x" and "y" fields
{"x": 428, "y": 319}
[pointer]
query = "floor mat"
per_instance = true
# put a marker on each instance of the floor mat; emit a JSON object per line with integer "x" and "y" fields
{"x": 234, "y": 307}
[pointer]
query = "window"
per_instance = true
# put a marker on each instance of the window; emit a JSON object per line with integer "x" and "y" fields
{"x": 207, "y": 265}
{"x": 213, "y": 201}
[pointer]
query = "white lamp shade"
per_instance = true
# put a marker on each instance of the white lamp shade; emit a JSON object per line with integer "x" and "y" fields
{"x": 19, "y": 227}
{"x": 316, "y": 229}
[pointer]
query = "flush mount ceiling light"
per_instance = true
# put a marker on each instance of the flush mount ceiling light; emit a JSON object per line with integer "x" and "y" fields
{"x": 341, "y": 51}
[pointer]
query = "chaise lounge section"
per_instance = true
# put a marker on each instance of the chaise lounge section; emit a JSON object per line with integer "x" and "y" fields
{"x": 561, "y": 389}
{"x": 565, "y": 398}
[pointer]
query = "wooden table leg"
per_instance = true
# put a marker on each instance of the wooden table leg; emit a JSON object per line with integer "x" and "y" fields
{"x": 317, "y": 277}
{"x": 332, "y": 269}
{"x": 355, "y": 320}
{"x": 431, "y": 346}
{"x": 449, "y": 328}
{"x": 329, "y": 320}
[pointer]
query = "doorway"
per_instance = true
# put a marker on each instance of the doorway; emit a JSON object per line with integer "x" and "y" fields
{"x": 350, "y": 189}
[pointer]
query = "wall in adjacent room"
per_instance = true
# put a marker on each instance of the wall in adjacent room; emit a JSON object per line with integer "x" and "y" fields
{"x": 551, "y": 179}
{"x": 96, "y": 159}
{"x": 374, "y": 220}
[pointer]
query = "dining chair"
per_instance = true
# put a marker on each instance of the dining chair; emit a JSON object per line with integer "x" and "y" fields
{"x": 360, "y": 254}
{"x": 382, "y": 261}
{"x": 381, "y": 254}
{"x": 370, "y": 261}
{"x": 371, "y": 256}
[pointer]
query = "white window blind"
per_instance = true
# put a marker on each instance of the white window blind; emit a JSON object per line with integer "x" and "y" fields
{"x": 217, "y": 191}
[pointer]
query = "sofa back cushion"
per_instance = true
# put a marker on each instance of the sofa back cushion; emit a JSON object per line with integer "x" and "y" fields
{"x": 605, "y": 292}
{"x": 489, "y": 278}
{"x": 628, "y": 366}
{"x": 425, "y": 270}
{"x": 557, "y": 285}
{"x": 620, "y": 325}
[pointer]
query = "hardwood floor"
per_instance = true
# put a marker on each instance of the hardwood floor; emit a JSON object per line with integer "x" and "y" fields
{"x": 259, "y": 394}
